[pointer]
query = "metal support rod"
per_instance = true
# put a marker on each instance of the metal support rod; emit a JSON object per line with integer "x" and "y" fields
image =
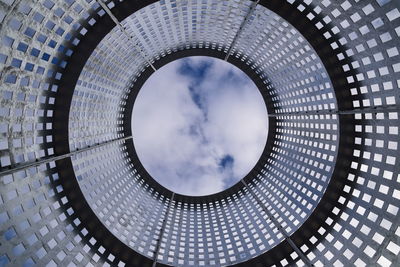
{"x": 26, "y": 165}
{"x": 390, "y": 108}
{"x": 278, "y": 226}
{"x": 242, "y": 25}
{"x": 162, "y": 231}
{"x": 123, "y": 30}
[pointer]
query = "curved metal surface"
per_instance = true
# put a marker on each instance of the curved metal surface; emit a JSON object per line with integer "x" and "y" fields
{"x": 62, "y": 212}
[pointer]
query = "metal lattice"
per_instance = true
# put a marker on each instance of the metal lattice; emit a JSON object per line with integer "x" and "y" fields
{"x": 325, "y": 191}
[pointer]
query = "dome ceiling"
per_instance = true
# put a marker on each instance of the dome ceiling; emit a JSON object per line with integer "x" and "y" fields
{"x": 324, "y": 192}
{"x": 308, "y": 146}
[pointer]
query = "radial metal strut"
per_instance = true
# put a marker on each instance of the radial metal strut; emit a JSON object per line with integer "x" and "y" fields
{"x": 40, "y": 161}
{"x": 123, "y": 30}
{"x": 157, "y": 251}
{"x": 242, "y": 25}
{"x": 278, "y": 226}
{"x": 380, "y": 109}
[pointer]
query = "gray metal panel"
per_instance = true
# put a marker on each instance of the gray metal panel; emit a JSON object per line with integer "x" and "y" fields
{"x": 329, "y": 71}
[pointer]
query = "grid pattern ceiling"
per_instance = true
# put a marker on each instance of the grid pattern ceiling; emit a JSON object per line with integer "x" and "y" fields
{"x": 314, "y": 127}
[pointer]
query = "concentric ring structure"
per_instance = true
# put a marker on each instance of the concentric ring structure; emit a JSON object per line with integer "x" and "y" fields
{"x": 325, "y": 192}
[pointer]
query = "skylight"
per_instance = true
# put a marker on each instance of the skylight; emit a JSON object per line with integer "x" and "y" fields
{"x": 199, "y": 125}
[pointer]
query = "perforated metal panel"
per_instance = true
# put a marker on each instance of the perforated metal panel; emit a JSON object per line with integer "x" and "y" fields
{"x": 325, "y": 191}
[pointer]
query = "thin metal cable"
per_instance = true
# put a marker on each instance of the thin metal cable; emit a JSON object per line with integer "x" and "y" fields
{"x": 162, "y": 231}
{"x": 278, "y": 226}
{"x": 389, "y": 108}
{"x": 26, "y": 165}
{"x": 239, "y": 32}
{"x": 123, "y": 30}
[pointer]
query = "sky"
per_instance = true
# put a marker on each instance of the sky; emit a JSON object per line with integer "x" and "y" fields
{"x": 199, "y": 125}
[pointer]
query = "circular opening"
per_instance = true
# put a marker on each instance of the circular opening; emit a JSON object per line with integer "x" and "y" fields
{"x": 199, "y": 125}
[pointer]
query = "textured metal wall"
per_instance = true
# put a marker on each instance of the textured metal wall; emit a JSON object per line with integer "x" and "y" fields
{"x": 325, "y": 192}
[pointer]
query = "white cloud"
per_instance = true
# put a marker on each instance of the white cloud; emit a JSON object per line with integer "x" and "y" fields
{"x": 181, "y": 144}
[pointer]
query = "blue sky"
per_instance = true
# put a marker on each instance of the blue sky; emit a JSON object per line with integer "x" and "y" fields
{"x": 199, "y": 125}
